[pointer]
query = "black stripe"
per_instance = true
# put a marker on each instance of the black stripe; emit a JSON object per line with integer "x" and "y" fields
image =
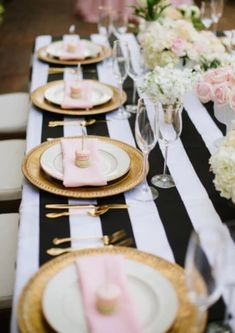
{"x": 49, "y": 227}
{"x": 210, "y": 109}
{"x": 113, "y": 220}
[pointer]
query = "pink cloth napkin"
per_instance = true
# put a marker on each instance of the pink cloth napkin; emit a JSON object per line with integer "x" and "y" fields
{"x": 84, "y": 102}
{"x": 92, "y": 272}
{"x": 79, "y": 52}
{"x": 75, "y": 176}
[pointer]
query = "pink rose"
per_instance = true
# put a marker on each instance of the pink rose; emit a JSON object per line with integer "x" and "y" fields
{"x": 178, "y": 47}
{"x": 208, "y": 76}
{"x": 232, "y": 99}
{"x": 221, "y": 94}
{"x": 204, "y": 91}
{"x": 221, "y": 75}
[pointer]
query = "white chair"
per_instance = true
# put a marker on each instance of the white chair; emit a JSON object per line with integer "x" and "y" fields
{"x": 13, "y": 113}
{"x": 11, "y": 177}
{"x": 8, "y": 248}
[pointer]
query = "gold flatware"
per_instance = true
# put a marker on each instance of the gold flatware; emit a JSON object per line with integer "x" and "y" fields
{"x": 81, "y": 206}
{"x": 58, "y": 70}
{"x": 95, "y": 211}
{"x": 117, "y": 235}
{"x": 75, "y": 122}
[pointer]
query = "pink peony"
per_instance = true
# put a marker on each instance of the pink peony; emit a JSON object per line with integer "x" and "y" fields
{"x": 232, "y": 99}
{"x": 178, "y": 47}
{"x": 221, "y": 94}
{"x": 204, "y": 91}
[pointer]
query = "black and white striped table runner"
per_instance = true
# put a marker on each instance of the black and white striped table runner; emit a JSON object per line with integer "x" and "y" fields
{"x": 161, "y": 227}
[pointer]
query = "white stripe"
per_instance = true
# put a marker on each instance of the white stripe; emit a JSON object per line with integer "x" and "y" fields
{"x": 28, "y": 239}
{"x": 147, "y": 227}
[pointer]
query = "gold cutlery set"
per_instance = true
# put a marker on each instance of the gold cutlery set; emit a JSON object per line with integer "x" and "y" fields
{"x": 119, "y": 237}
{"x": 75, "y": 122}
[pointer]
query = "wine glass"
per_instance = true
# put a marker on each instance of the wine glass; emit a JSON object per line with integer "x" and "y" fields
{"x": 204, "y": 270}
{"x": 136, "y": 71}
{"x": 145, "y": 134}
{"x": 120, "y": 22}
{"x": 217, "y": 11}
{"x": 206, "y": 13}
{"x": 120, "y": 71}
{"x": 169, "y": 127}
{"x": 104, "y": 24}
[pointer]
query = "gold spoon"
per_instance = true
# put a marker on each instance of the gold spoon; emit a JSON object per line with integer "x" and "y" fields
{"x": 74, "y": 122}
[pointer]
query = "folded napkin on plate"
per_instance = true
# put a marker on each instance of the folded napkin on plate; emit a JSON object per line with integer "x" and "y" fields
{"x": 93, "y": 272}
{"x": 77, "y": 53}
{"x": 84, "y": 102}
{"x": 75, "y": 176}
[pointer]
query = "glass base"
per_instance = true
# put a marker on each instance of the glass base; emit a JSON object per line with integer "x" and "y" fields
{"x": 163, "y": 181}
{"x": 149, "y": 195}
{"x": 121, "y": 114}
{"x": 218, "y": 327}
{"x": 131, "y": 108}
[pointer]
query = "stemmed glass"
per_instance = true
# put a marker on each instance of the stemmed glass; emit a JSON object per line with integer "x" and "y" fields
{"x": 120, "y": 71}
{"x": 217, "y": 11}
{"x": 145, "y": 134}
{"x": 119, "y": 22}
{"x": 169, "y": 127}
{"x": 104, "y": 24}
{"x": 204, "y": 270}
{"x": 206, "y": 13}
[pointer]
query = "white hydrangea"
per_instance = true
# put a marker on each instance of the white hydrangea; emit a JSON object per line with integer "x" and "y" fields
{"x": 168, "y": 85}
{"x": 223, "y": 166}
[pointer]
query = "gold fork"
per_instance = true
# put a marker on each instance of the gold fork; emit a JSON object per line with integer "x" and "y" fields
{"x": 57, "y": 70}
{"x": 74, "y": 122}
{"x": 95, "y": 211}
{"x": 114, "y": 237}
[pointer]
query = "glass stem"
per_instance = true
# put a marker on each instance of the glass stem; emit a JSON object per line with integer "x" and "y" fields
{"x": 120, "y": 95}
{"x": 145, "y": 183}
{"x": 198, "y": 320}
{"x": 134, "y": 93}
{"x": 215, "y": 26}
{"x": 165, "y": 159}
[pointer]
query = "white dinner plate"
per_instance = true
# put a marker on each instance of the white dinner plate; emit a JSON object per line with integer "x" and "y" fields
{"x": 100, "y": 93}
{"x": 91, "y": 49}
{"x": 115, "y": 162}
{"x": 153, "y": 295}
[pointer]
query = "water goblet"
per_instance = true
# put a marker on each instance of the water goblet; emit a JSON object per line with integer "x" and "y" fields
{"x": 204, "y": 270}
{"x": 169, "y": 127}
{"x": 217, "y": 11}
{"x": 104, "y": 24}
{"x": 120, "y": 71}
{"x": 119, "y": 23}
{"x": 206, "y": 13}
{"x": 145, "y": 134}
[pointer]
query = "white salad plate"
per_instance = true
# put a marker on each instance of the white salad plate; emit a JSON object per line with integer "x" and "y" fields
{"x": 115, "y": 162}
{"x": 91, "y": 49}
{"x": 154, "y": 298}
{"x": 100, "y": 93}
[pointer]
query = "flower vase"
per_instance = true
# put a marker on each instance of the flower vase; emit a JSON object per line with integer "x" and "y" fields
{"x": 224, "y": 114}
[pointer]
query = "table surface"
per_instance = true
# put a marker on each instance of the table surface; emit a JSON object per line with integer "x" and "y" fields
{"x": 161, "y": 227}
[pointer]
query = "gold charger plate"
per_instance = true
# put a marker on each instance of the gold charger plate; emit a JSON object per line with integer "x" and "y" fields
{"x": 30, "y": 316}
{"x": 38, "y": 99}
{"x": 32, "y": 171}
{"x": 44, "y": 56}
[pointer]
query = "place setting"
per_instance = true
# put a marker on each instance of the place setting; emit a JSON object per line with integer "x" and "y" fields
{"x": 84, "y": 167}
{"x": 73, "y": 52}
{"x": 132, "y": 289}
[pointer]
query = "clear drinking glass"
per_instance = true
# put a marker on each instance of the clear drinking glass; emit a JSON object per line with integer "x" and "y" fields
{"x": 120, "y": 71}
{"x": 120, "y": 22}
{"x": 217, "y": 12}
{"x": 169, "y": 127}
{"x": 204, "y": 271}
{"x": 206, "y": 13}
{"x": 145, "y": 134}
{"x": 104, "y": 24}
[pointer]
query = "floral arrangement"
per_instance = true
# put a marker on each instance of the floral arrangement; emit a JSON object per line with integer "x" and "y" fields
{"x": 168, "y": 41}
{"x": 223, "y": 166}
{"x": 218, "y": 85}
{"x": 150, "y": 10}
{"x": 168, "y": 85}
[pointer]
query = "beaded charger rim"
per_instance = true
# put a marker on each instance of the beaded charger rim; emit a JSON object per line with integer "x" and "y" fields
{"x": 32, "y": 171}
{"x": 38, "y": 99}
{"x": 29, "y": 312}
